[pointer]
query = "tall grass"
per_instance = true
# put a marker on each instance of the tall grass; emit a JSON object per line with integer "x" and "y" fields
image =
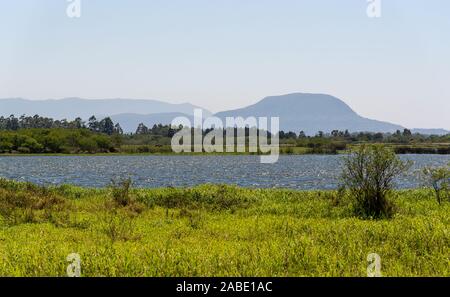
{"x": 218, "y": 231}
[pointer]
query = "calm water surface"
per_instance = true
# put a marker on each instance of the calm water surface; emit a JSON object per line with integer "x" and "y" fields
{"x": 297, "y": 172}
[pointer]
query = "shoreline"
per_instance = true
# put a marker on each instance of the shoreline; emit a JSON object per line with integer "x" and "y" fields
{"x": 193, "y": 154}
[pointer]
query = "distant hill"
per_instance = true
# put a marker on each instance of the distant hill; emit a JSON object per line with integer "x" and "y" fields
{"x": 70, "y": 108}
{"x": 311, "y": 113}
{"x": 298, "y": 111}
{"x": 431, "y": 131}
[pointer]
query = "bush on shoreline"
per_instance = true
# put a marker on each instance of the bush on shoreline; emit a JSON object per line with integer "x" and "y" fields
{"x": 439, "y": 180}
{"x": 368, "y": 174}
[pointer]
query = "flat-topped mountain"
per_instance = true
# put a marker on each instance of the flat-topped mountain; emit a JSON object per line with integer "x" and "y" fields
{"x": 311, "y": 113}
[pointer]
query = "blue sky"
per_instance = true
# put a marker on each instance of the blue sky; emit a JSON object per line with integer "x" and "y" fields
{"x": 223, "y": 54}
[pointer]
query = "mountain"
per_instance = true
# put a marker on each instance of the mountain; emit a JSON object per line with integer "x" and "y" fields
{"x": 430, "y": 131}
{"x": 311, "y": 113}
{"x": 298, "y": 111}
{"x": 70, "y": 108}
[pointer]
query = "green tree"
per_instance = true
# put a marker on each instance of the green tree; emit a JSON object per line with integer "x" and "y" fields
{"x": 106, "y": 126}
{"x": 347, "y": 134}
{"x": 369, "y": 173}
{"x": 142, "y": 129}
{"x": 118, "y": 129}
{"x": 93, "y": 124}
{"x": 407, "y": 133}
{"x": 439, "y": 180}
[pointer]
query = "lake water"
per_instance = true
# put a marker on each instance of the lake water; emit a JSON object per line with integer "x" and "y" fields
{"x": 296, "y": 172}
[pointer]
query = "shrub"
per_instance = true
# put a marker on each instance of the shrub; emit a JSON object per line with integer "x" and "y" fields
{"x": 369, "y": 173}
{"x": 88, "y": 145}
{"x": 118, "y": 226}
{"x": 288, "y": 150}
{"x": 5, "y": 146}
{"x": 195, "y": 218}
{"x": 20, "y": 203}
{"x": 120, "y": 191}
{"x": 209, "y": 197}
{"x": 121, "y": 197}
{"x": 439, "y": 180}
{"x": 103, "y": 143}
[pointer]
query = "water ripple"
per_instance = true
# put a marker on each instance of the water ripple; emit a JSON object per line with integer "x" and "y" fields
{"x": 296, "y": 172}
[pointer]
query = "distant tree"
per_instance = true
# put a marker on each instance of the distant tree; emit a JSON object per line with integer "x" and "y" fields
{"x": 12, "y": 123}
{"x": 78, "y": 123}
{"x": 38, "y": 122}
{"x": 378, "y": 136}
{"x": 320, "y": 134}
{"x": 106, "y": 126}
{"x": 93, "y": 124}
{"x": 142, "y": 129}
{"x": 407, "y": 132}
{"x": 172, "y": 131}
{"x": 290, "y": 134}
{"x": 118, "y": 129}
{"x": 64, "y": 124}
{"x": 302, "y": 134}
{"x": 347, "y": 134}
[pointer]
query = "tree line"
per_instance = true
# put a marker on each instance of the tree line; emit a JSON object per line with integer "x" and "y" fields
{"x": 105, "y": 125}
{"x": 37, "y": 134}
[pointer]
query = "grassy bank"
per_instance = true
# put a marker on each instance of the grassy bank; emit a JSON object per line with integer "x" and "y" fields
{"x": 215, "y": 231}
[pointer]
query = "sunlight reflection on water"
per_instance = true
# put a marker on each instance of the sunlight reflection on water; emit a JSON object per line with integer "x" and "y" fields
{"x": 296, "y": 172}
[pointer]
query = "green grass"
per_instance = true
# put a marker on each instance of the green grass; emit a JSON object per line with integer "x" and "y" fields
{"x": 215, "y": 231}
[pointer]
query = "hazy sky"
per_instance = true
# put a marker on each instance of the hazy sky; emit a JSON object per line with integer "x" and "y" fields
{"x": 223, "y": 54}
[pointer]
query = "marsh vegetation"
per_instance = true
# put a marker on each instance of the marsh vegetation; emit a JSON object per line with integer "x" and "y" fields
{"x": 216, "y": 231}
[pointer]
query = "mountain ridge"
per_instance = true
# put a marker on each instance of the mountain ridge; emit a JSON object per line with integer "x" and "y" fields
{"x": 311, "y": 113}
{"x": 308, "y": 112}
{"x": 72, "y": 107}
